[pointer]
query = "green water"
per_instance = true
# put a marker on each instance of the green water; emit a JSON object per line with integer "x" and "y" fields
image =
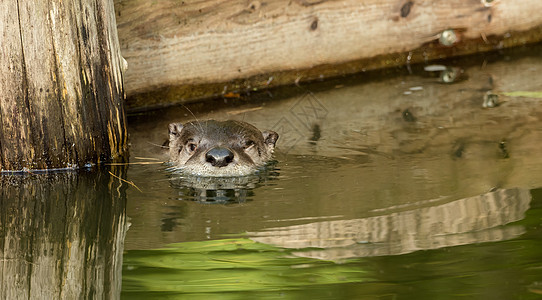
{"x": 237, "y": 269}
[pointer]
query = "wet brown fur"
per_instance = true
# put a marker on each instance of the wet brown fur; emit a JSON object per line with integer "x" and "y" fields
{"x": 189, "y": 143}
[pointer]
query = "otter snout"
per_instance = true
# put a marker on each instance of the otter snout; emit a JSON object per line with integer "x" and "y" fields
{"x": 219, "y": 157}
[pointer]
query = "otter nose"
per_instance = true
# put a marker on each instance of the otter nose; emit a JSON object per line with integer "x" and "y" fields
{"x": 219, "y": 157}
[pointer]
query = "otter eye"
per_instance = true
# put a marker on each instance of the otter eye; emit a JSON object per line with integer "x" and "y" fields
{"x": 249, "y": 144}
{"x": 191, "y": 147}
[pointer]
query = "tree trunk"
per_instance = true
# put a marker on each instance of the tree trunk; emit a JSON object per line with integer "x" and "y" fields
{"x": 60, "y": 84}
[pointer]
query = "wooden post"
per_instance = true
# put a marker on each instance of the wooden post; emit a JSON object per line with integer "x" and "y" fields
{"x": 61, "y": 85}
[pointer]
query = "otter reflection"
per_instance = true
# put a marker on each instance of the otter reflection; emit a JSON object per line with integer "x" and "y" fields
{"x": 222, "y": 190}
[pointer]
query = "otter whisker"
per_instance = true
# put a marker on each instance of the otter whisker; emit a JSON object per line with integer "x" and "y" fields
{"x": 161, "y": 146}
{"x": 196, "y": 118}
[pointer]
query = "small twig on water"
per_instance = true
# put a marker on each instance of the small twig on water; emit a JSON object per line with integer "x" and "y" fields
{"x": 128, "y": 182}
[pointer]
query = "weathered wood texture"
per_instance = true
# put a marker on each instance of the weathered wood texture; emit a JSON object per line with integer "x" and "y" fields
{"x": 188, "y": 49}
{"x": 60, "y": 84}
{"x": 62, "y": 236}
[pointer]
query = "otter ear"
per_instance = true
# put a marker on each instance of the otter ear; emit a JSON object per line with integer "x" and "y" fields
{"x": 175, "y": 129}
{"x": 270, "y": 138}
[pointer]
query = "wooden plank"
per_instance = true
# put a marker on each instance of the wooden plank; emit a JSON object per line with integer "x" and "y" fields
{"x": 221, "y": 46}
{"x": 61, "y": 101}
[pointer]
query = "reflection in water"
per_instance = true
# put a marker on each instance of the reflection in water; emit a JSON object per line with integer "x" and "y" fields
{"x": 465, "y": 221}
{"x": 221, "y": 190}
{"x": 244, "y": 269}
{"x": 61, "y": 236}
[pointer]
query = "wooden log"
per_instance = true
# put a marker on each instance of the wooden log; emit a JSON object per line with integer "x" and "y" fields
{"x": 179, "y": 51}
{"x": 60, "y": 85}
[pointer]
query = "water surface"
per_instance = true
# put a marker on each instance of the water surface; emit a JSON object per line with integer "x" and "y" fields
{"x": 424, "y": 183}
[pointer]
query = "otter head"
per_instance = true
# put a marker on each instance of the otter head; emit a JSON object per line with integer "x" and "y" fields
{"x": 219, "y": 148}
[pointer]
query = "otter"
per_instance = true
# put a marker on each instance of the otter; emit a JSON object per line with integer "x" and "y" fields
{"x": 219, "y": 148}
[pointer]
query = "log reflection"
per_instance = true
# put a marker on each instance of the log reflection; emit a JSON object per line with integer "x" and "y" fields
{"x": 470, "y": 220}
{"x": 61, "y": 236}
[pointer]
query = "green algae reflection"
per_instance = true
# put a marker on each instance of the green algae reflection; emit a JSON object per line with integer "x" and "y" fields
{"x": 230, "y": 265}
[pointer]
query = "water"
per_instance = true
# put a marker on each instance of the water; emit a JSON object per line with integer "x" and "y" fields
{"x": 416, "y": 185}
{"x": 423, "y": 185}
